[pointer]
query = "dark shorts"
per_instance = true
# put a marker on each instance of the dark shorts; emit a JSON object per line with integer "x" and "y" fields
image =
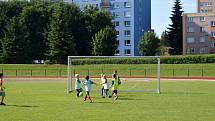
{"x": 78, "y": 90}
{"x": 2, "y": 93}
{"x": 115, "y": 91}
{"x": 87, "y": 92}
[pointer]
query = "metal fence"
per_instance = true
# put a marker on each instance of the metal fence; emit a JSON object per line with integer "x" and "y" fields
{"x": 149, "y": 72}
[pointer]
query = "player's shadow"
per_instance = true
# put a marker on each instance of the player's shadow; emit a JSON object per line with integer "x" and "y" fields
{"x": 101, "y": 102}
{"x": 24, "y": 106}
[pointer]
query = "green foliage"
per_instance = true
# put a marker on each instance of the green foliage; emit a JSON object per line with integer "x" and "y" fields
{"x": 191, "y": 59}
{"x": 175, "y": 29}
{"x": 40, "y": 30}
{"x": 60, "y": 39}
{"x": 149, "y": 44}
{"x": 104, "y": 42}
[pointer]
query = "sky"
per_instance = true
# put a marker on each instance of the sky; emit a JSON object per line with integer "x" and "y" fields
{"x": 161, "y": 10}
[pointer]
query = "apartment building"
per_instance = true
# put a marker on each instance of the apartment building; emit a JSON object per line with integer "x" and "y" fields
{"x": 199, "y": 29}
{"x": 205, "y": 6}
{"x": 131, "y": 19}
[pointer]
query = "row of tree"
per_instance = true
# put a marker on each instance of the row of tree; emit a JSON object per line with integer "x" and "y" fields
{"x": 39, "y": 30}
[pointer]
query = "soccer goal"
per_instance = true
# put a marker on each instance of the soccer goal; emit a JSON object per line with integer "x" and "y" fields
{"x": 137, "y": 73}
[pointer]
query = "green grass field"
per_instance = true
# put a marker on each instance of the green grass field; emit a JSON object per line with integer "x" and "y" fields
{"x": 46, "y": 100}
{"x": 167, "y": 70}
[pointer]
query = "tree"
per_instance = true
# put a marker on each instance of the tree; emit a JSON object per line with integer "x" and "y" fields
{"x": 93, "y": 20}
{"x": 35, "y": 17}
{"x": 15, "y": 44}
{"x": 60, "y": 40}
{"x": 104, "y": 42}
{"x": 175, "y": 29}
{"x": 149, "y": 44}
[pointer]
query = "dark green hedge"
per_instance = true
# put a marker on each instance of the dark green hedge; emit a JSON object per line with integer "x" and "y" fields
{"x": 191, "y": 59}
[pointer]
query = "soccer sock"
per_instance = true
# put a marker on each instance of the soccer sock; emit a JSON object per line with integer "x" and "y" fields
{"x": 85, "y": 97}
{"x": 89, "y": 98}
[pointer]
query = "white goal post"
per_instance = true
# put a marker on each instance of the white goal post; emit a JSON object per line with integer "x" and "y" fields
{"x": 70, "y": 67}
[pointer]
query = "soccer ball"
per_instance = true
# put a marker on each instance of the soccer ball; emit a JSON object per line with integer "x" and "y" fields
{"x": 80, "y": 93}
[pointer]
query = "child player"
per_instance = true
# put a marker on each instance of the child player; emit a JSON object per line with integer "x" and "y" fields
{"x": 88, "y": 84}
{"x": 115, "y": 83}
{"x": 2, "y": 93}
{"x": 78, "y": 85}
{"x": 105, "y": 86}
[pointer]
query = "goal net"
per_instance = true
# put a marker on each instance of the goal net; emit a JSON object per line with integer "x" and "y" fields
{"x": 137, "y": 73}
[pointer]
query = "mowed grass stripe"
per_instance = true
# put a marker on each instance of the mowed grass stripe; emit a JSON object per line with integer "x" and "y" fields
{"x": 47, "y": 101}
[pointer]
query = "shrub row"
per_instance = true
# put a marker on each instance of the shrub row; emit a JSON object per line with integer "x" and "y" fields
{"x": 189, "y": 59}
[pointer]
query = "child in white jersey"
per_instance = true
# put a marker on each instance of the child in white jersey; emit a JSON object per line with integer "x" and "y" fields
{"x": 105, "y": 86}
{"x": 88, "y": 84}
{"x": 78, "y": 85}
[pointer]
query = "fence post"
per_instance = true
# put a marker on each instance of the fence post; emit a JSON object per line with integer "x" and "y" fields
{"x": 60, "y": 72}
{"x": 45, "y": 72}
{"x": 173, "y": 72}
{"x": 130, "y": 72}
{"x": 16, "y": 72}
{"x": 31, "y": 72}
{"x": 202, "y": 72}
{"x": 145, "y": 72}
{"x": 188, "y": 72}
{"x": 88, "y": 72}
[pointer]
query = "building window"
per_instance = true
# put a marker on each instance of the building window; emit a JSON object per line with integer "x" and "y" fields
{"x": 127, "y": 14}
{"x": 127, "y": 23}
{"x": 212, "y": 44}
{"x": 202, "y": 50}
{"x": 190, "y": 50}
{"x": 116, "y": 5}
{"x": 213, "y": 34}
{"x": 127, "y": 33}
{"x": 206, "y": 4}
{"x": 202, "y": 39}
{"x": 95, "y": 5}
{"x": 127, "y": 4}
{"x": 127, "y": 42}
{"x": 117, "y": 33}
{"x": 115, "y": 14}
{"x": 205, "y": 11}
{"x": 212, "y": 23}
{"x": 189, "y": 19}
{"x": 116, "y": 23}
{"x": 190, "y": 29}
{"x": 202, "y": 29}
{"x": 117, "y": 52}
{"x": 202, "y": 18}
{"x": 117, "y": 42}
{"x": 127, "y": 52}
{"x": 190, "y": 40}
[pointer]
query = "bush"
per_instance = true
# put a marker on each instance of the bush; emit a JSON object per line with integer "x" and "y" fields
{"x": 189, "y": 59}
